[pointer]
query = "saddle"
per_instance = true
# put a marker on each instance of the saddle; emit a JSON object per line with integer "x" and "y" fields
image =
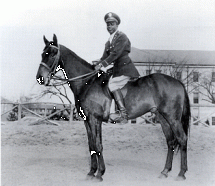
{"x": 104, "y": 79}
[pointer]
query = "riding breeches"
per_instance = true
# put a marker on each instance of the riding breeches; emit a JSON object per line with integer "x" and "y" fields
{"x": 117, "y": 82}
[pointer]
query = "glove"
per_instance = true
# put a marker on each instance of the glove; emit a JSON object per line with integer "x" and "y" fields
{"x": 98, "y": 67}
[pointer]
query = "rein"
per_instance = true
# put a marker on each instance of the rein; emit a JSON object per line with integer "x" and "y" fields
{"x": 65, "y": 80}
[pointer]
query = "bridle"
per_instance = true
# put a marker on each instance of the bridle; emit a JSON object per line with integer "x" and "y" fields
{"x": 55, "y": 63}
{"x": 54, "y": 66}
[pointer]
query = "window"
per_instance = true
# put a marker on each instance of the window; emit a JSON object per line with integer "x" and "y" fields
{"x": 148, "y": 72}
{"x": 213, "y": 77}
{"x": 196, "y": 98}
{"x": 213, "y": 120}
{"x": 195, "y": 76}
{"x": 178, "y": 75}
{"x": 158, "y": 71}
{"x": 213, "y": 97}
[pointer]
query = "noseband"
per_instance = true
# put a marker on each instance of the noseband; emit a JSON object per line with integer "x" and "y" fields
{"x": 55, "y": 63}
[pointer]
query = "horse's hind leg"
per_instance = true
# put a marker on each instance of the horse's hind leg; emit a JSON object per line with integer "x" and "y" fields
{"x": 181, "y": 138}
{"x": 183, "y": 148}
{"x": 170, "y": 139}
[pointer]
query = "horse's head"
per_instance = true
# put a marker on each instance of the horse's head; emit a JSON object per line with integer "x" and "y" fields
{"x": 50, "y": 61}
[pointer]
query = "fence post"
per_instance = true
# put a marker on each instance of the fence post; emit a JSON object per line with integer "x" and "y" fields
{"x": 19, "y": 112}
{"x": 45, "y": 114}
{"x": 71, "y": 114}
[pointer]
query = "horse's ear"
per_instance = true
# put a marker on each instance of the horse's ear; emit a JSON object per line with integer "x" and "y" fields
{"x": 55, "y": 40}
{"x": 45, "y": 40}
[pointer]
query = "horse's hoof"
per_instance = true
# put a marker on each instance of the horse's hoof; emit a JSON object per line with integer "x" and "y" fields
{"x": 97, "y": 179}
{"x": 90, "y": 177}
{"x": 180, "y": 178}
{"x": 163, "y": 176}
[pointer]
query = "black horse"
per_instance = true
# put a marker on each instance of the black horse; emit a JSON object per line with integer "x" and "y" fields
{"x": 157, "y": 93}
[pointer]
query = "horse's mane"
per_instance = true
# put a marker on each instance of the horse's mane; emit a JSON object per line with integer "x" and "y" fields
{"x": 100, "y": 78}
{"x": 81, "y": 60}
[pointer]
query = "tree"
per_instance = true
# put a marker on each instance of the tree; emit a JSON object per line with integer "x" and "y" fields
{"x": 182, "y": 72}
{"x": 179, "y": 70}
{"x": 57, "y": 89}
{"x": 207, "y": 88}
{"x": 13, "y": 115}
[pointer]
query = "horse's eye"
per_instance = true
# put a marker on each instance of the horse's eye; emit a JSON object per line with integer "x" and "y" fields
{"x": 51, "y": 55}
{"x": 47, "y": 53}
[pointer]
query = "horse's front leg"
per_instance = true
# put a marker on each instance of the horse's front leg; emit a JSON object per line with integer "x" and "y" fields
{"x": 94, "y": 132}
{"x": 93, "y": 163}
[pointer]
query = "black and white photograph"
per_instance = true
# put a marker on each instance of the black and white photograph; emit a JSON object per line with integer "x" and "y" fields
{"x": 107, "y": 93}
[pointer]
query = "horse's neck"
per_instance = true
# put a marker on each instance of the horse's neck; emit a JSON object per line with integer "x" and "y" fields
{"x": 75, "y": 66}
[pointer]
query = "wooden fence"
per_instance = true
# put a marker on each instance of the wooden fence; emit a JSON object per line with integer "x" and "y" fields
{"x": 41, "y": 117}
{"x": 46, "y": 117}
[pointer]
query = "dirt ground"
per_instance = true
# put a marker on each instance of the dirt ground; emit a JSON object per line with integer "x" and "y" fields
{"x": 48, "y": 155}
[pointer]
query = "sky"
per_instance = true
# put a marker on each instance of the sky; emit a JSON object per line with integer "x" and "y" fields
{"x": 79, "y": 25}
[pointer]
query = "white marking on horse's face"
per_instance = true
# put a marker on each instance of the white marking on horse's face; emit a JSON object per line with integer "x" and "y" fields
{"x": 47, "y": 80}
{"x": 43, "y": 76}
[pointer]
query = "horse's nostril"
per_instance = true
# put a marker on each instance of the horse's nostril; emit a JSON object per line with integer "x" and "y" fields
{"x": 40, "y": 80}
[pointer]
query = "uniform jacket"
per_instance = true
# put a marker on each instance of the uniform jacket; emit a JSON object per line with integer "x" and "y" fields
{"x": 117, "y": 52}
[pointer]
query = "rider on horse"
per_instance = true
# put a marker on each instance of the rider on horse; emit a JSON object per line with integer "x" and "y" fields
{"x": 116, "y": 51}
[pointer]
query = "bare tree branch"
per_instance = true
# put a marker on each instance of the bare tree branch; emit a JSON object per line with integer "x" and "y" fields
{"x": 57, "y": 91}
{"x": 208, "y": 88}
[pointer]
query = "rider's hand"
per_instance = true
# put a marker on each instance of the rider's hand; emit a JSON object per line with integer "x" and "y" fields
{"x": 98, "y": 67}
{"x": 96, "y": 62}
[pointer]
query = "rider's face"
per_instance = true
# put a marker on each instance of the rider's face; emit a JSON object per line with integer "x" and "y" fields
{"x": 112, "y": 27}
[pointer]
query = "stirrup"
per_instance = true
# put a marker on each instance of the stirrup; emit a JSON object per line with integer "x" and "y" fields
{"x": 118, "y": 117}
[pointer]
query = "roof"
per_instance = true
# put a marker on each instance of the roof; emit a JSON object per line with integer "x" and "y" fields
{"x": 6, "y": 101}
{"x": 191, "y": 57}
{"x": 41, "y": 105}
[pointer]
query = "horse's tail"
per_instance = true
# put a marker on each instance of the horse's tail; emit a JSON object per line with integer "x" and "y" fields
{"x": 186, "y": 114}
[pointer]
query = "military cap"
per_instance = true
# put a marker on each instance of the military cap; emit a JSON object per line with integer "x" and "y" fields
{"x": 112, "y": 17}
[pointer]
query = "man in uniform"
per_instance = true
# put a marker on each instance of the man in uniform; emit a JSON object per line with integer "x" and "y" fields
{"x": 116, "y": 51}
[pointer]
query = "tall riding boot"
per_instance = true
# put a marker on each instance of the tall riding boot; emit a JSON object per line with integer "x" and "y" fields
{"x": 122, "y": 115}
